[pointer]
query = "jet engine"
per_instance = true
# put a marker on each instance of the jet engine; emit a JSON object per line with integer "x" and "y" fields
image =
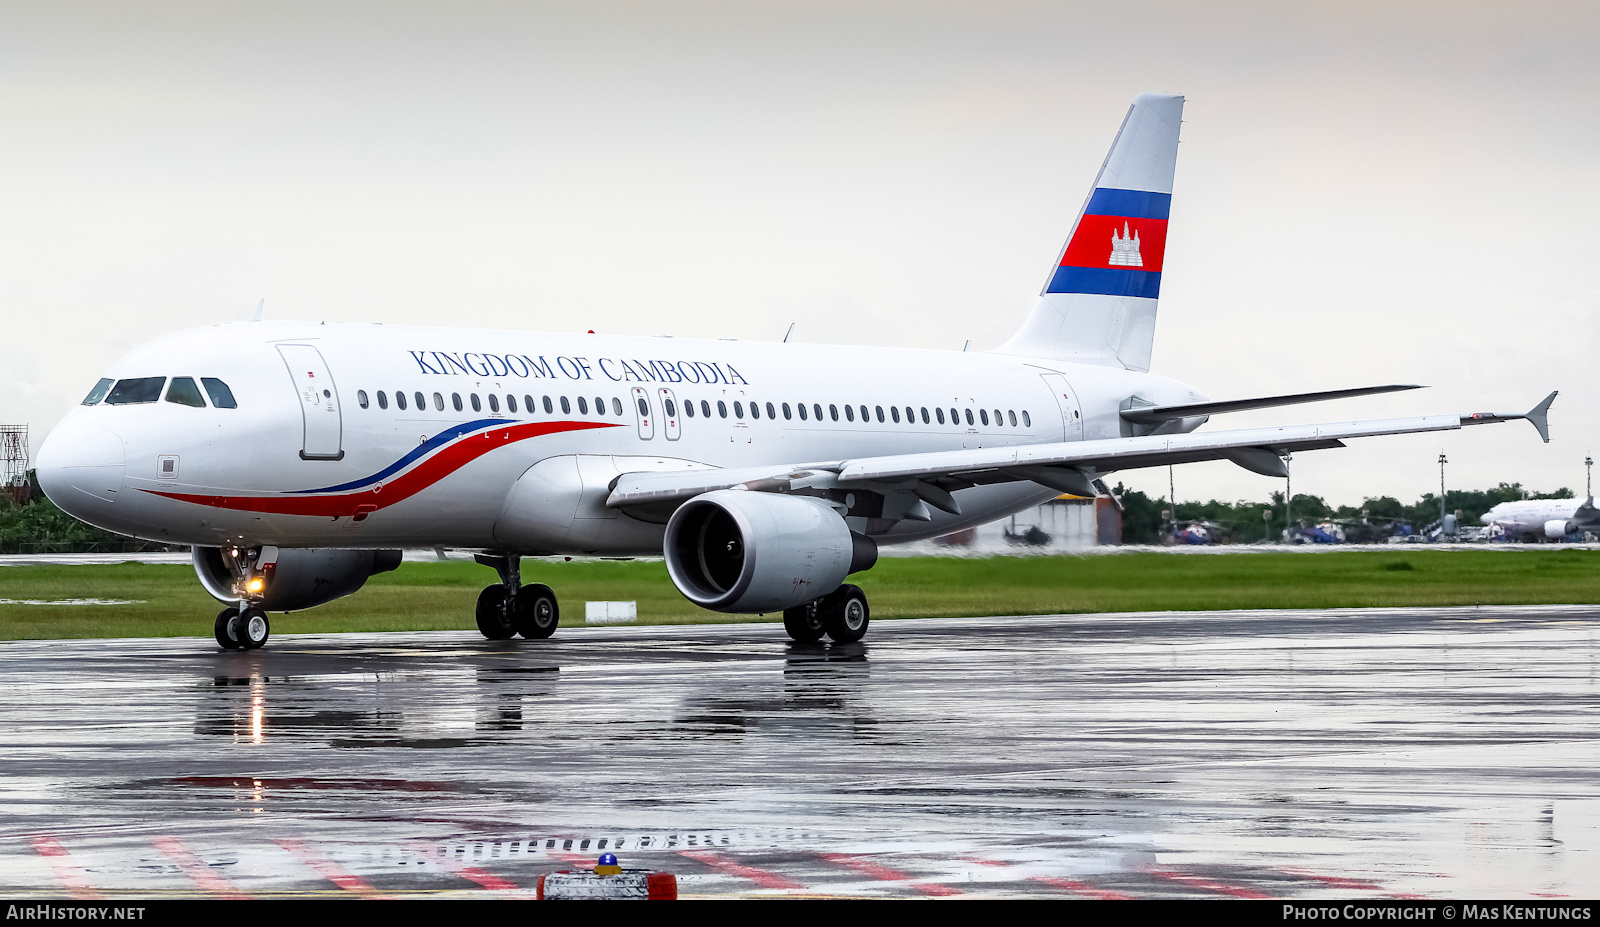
{"x": 289, "y": 579}
{"x": 1557, "y": 528}
{"x": 742, "y": 551}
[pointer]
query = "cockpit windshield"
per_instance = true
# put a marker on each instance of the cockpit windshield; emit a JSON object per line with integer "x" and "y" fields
{"x": 99, "y": 391}
{"x": 139, "y": 389}
{"x": 221, "y": 396}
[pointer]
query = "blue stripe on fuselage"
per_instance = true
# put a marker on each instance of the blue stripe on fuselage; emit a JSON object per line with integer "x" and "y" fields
{"x": 427, "y": 447}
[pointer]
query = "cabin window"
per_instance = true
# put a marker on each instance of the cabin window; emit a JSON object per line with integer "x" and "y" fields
{"x": 399, "y": 400}
{"x": 755, "y": 410}
{"x": 833, "y": 411}
{"x": 705, "y": 408}
{"x": 99, "y": 391}
{"x": 383, "y": 401}
{"x": 616, "y": 405}
{"x": 599, "y": 406}
{"x": 802, "y": 411}
{"x": 849, "y": 413}
{"x": 511, "y": 402}
{"x": 477, "y": 405}
{"x": 438, "y": 402}
{"x": 644, "y": 408}
{"x": 549, "y": 407}
{"x": 455, "y": 401}
{"x": 722, "y": 409}
{"x": 1026, "y": 422}
{"x": 688, "y": 408}
{"x": 738, "y": 409}
{"x": 361, "y": 398}
{"x": 185, "y": 393}
{"x": 221, "y": 396}
{"x": 924, "y": 415}
{"x": 1012, "y": 417}
{"x": 583, "y": 406}
{"x": 894, "y": 413}
{"x": 939, "y": 414}
{"x": 672, "y": 409}
{"x": 494, "y": 403}
{"x": 771, "y": 412}
{"x": 984, "y": 414}
{"x": 998, "y": 418}
{"x": 786, "y": 414}
{"x": 138, "y": 389}
{"x": 911, "y": 415}
{"x": 816, "y": 409}
{"x": 969, "y": 418}
{"x": 566, "y": 406}
{"x": 879, "y": 410}
{"x": 527, "y": 403}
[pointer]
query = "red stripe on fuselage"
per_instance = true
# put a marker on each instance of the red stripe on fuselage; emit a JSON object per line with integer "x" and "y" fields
{"x": 448, "y": 460}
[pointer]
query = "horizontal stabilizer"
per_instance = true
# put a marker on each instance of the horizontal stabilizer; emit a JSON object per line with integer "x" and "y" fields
{"x": 1154, "y": 415}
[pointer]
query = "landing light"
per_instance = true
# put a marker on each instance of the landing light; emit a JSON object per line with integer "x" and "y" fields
{"x": 255, "y": 585}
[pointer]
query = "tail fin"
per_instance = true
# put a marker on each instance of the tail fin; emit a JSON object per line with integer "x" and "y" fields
{"x": 1099, "y": 306}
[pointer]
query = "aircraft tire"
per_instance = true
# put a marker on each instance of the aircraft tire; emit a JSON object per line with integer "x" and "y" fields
{"x": 494, "y": 614}
{"x": 254, "y": 629}
{"x": 845, "y": 614}
{"x": 804, "y": 623}
{"x": 536, "y": 613}
{"x": 224, "y": 629}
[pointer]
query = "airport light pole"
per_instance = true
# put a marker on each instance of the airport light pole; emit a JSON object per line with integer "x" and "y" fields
{"x": 1288, "y": 497}
{"x": 1588, "y": 477}
{"x": 1442, "y": 462}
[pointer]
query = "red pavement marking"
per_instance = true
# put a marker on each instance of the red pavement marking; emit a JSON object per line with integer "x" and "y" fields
{"x": 1237, "y": 891}
{"x": 1070, "y": 885}
{"x": 471, "y": 873}
{"x": 196, "y": 869}
{"x": 328, "y": 869}
{"x": 1344, "y": 883}
{"x": 886, "y": 874}
{"x": 61, "y": 863}
{"x": 761, "y": 877}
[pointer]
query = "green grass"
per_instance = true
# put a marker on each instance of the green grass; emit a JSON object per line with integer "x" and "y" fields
{"x": 440, "y": 596}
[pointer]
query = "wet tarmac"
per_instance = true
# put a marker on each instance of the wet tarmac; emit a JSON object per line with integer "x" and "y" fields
{"x": 1366, "y": 753}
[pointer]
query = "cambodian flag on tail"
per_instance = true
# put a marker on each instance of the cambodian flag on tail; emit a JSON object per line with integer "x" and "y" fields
{"x": 1099, "y": 302}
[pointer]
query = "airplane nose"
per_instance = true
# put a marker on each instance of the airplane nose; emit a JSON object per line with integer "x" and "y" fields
{"x": 80, "y": 468}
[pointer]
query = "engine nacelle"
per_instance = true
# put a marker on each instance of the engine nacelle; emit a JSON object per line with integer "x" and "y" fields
{"x": 1557, "y": 528}
{"x": 742, "y": 551}
{"x": 289, "y": 579}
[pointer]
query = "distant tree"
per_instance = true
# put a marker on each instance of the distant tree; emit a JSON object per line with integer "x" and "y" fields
{"x": 1141, "y": 516}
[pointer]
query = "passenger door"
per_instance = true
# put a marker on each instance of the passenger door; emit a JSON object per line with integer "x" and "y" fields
{"x": 323, "y": 423}
{"x": 1067, "y": 402}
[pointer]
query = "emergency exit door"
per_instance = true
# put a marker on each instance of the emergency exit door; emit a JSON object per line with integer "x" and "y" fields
{"x": 323, "y": 423}
{"x": 1067, "y": 402}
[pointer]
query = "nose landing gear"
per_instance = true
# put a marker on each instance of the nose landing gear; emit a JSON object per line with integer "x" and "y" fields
{"x": 246, "y": 630}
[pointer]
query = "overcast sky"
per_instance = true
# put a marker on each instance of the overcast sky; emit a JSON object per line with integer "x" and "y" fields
{"x": 1366, "y": 192}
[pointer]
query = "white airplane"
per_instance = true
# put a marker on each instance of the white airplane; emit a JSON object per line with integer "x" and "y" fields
{"x": 1537, "y": 519}
{"x": 297, "y": 458}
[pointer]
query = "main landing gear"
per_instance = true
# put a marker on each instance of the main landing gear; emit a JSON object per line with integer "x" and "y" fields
{"x": 510, "y": 608}
{"x": 842, "y": 614}
{"x": 242, "y": 630}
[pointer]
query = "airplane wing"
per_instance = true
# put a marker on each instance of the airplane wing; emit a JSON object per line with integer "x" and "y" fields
{"x": 1155, "y": 415}
{"x": 1069, "y": 466}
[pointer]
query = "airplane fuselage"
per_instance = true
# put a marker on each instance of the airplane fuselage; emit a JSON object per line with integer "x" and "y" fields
{"x": 350, "y": 435}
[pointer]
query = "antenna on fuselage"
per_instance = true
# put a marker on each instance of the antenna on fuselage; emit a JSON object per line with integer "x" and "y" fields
{"x": 256, "y": 316}
{"x": 966, "y": 346}
{"x": 788, "y": 333}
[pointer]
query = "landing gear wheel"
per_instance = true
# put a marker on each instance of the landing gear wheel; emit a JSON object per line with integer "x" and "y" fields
{"x": 536, "y": 613}
{"x": 494, "y": 614}
{"x": 228, "y": 629}
{"x": 254, "y": 629}
{"x": 804, "y": 622}
{"x": 845, "y": 614}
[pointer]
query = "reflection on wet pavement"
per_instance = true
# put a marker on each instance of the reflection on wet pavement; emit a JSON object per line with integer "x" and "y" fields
{"x": 1245, "y": 754}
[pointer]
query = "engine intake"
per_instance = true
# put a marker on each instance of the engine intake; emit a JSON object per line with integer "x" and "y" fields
{"x": 289, "y": 579}
{"x": 741, "y": 551}
{"x": 1557, "y": 528}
